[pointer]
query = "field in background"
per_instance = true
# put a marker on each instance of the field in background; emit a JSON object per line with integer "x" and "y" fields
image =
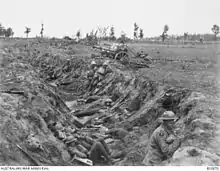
{"x": 195, "y": 67}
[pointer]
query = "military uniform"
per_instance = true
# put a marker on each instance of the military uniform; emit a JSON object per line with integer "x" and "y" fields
{"x": 159, "y": 148}
{"x": 86, "y": 147}
{"x": 90, "y": 75}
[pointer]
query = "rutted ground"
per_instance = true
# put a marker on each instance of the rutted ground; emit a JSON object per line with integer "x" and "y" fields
{"x": 29, "y": 101}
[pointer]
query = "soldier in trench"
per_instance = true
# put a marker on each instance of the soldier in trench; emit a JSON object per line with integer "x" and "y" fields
{"x": 87, "y": 147}
{"x": 83, "y": 146}
{"x": 100, "y": 74}
{"x": 91, "y": 73}
{"x": 163, "y": 142}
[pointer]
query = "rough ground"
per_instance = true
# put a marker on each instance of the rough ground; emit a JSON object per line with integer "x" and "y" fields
{"x": 38, "y": 85}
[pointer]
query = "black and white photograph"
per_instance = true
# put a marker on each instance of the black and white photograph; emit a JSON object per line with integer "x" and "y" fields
{"x": 109, "y": 83}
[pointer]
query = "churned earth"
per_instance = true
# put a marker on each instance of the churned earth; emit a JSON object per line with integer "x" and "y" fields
{"x": 38, "y": 84}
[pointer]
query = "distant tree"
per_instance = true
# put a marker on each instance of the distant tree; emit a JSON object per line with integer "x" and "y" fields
{"x": 141, "y": 34}
{"x": 92, "y": 38}
{"x": 42, "y": 30}
{"x": 95, "y": 34}
{"x": 78, "y": 34}
{"x": 136, "y": 27}
{"x": 164, "y": 34}
{"x": 166, "y": 28}
{"x": 2, "y": 30}
{"x": 8, "y": 32}
{"x": 112, "y": 33}
{"x": 215, "y": 30}
{"x": 91, "y": 33}
{"x": 185, "y": 36}
{"x": 105, "y": 29}
{"x": 27, "y": 31}
{"x": 102, "y": 32}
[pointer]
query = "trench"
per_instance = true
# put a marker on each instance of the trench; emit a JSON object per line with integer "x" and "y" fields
{"x": 137, "y": 104}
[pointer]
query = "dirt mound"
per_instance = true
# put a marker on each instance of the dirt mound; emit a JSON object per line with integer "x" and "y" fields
{"x": 192, "y": 156}
{"x": 27, "y": 103}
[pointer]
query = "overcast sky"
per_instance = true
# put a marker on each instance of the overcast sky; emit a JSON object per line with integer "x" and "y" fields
{"x": 65, "y": 17}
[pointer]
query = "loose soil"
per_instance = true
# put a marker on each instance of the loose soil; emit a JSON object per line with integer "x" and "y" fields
{"x": 38, "y": 85}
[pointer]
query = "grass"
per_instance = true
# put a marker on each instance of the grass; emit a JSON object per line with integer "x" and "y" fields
{"x": 194, "y": 68}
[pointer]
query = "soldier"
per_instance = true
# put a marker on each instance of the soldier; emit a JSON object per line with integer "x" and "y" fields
{"x": 103, "y": 70}
{"x": 91, "y": 73}
{"x": 106, "y": 67}
{"x": 163, "y": 143}
{"x": 100, "y": 74}
{"x": 108, "y": 102}
{"x": 85, "y": 146}
{"x": 93, "y": 68}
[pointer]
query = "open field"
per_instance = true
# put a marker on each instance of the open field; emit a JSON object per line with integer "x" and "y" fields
{"x": 196, "y": 67}
{"x": 190, "y": 74}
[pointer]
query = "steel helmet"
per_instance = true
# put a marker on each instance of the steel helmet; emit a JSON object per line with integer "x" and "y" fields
{"x": 108, "y": 102}
{"x": 168, "y": 115}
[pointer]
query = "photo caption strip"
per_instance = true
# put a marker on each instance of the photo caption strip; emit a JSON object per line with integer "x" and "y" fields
{"x": 21, "y": 168}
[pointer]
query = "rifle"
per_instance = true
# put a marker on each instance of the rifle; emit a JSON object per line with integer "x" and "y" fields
{"x": 28, "y": 155}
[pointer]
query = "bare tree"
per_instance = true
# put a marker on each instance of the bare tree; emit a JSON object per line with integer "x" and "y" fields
{"x": 96, "y": 32}
{"x": 78, "y": 34}
{"x": 112, "y": 33}
{"x": 42, "y": 30}
{"x": 185, "y": 37}
{"x": 105, "y": 29}
{"x": 102, "y": 32}
{"x": 215, "y": 30}
{"x": 1, "y": 30}
{"x": 92, "y": 38}
{"x": 9, "y": 32}
{"x": 27, "y": 31}
{"x": 136, "y": 27}
{"x": 164, "y": 34}
{"x": 141, "y": 34}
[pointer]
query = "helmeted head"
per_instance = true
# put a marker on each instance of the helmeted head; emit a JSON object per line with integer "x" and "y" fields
{"x": 108, "y": 102}
{"x": 168, "y": 118}
{"x": 93, "y": 65}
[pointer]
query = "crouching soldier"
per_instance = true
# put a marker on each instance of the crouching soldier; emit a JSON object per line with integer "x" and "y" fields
{"x": 103, "y": 70}
{"x": 100, "y": 74}
{"x": 86, "y": 147}
{"x": 91, "y": 73}
{"x": 163, "y": 143}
